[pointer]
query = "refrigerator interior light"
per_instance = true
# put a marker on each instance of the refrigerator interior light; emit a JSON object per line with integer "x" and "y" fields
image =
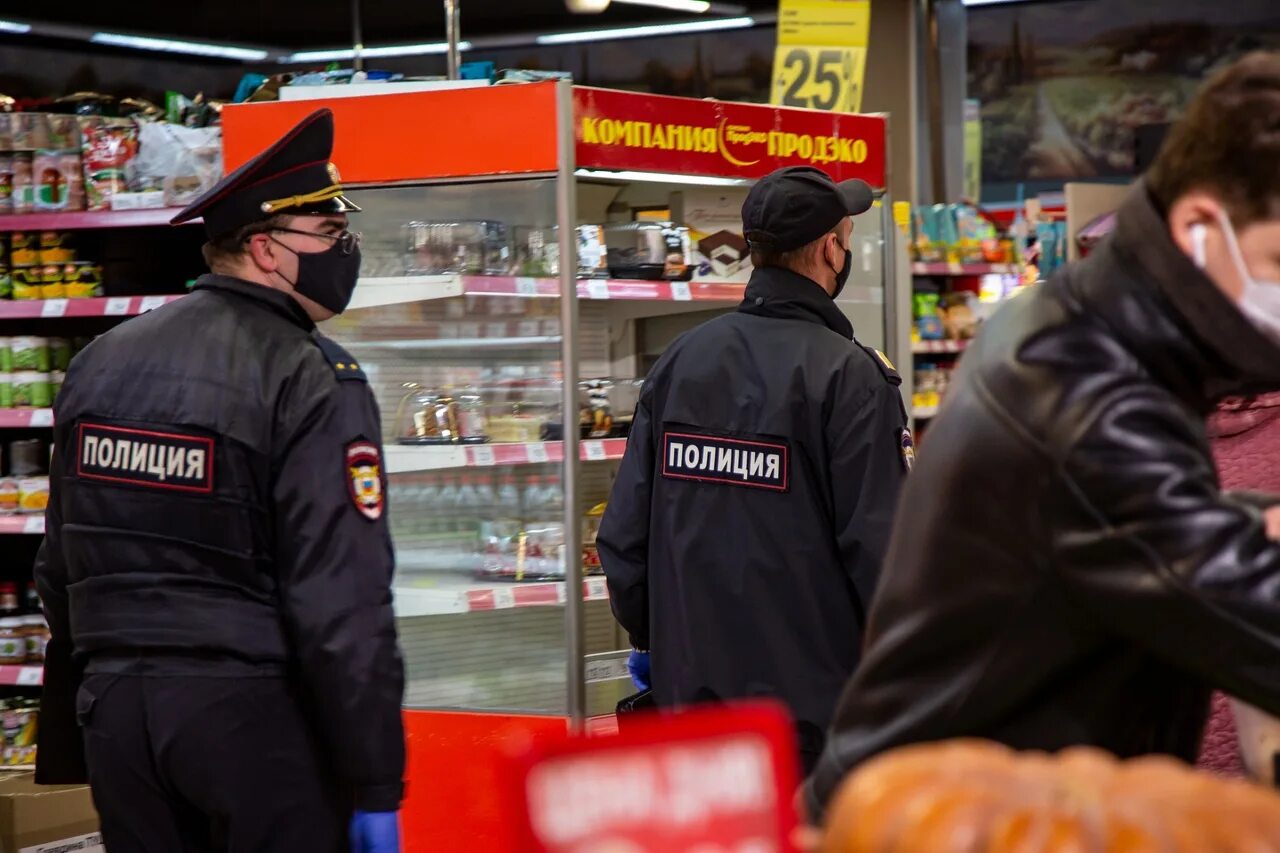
{"x": 661, "y": 178}
{"x": 697, "y": 7}
{"x": 341, "y": 53}
{"x": 193, "y": 48}
{"x": 14, "y": 27}
{"x": 648, "y": 30}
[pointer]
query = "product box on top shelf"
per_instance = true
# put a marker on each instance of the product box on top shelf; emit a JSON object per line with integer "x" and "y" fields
{"x": 714, "y": 217}
{"x": 46, "y": 818}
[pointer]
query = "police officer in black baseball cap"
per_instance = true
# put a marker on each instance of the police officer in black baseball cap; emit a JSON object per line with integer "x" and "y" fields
{"x": 216, "y": 569}
{"x": 744, "y": 533}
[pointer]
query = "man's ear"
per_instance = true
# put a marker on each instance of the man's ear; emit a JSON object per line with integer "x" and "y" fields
{"x": 1196, "y": 208}
{"x": 261, "y": 250}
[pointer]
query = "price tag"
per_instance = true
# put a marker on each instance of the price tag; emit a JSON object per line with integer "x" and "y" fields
{"x": 503, "y": 598}
{"x": 482, "y": 455}
{"x": 537, "y": 453}
{"x": 117, "y": 306}
{"x": 495, "y": 330}
{"x": 151, "y": 303}
{"x": 42, "y": 418}
{"x": 528, "y": 328}
{"x": 680, "y": 291}
{"x": 29, "y": 676}
{"x": 596, "y": 589}
{"x": 54, "y": 308}
{"x": 597, "y": 290}
{"x": 526, "y": 287}
{"x": 34, "y": 524}
{"x": 551, "y": 327}
{"x": 593, "y": 450}
{"x": 819, "y": 78}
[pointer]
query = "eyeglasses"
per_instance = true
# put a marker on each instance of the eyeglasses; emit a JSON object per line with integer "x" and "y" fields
{"x": 347, "y": 241}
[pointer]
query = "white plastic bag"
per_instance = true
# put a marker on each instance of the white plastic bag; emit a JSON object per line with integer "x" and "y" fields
{"x": 181, "y": 161}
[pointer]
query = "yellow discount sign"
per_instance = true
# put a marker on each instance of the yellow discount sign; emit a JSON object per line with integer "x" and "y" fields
{"x": 822, "y": 54}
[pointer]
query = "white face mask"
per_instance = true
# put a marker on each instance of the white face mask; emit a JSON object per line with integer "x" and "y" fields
{"x": 1260, "y": 300}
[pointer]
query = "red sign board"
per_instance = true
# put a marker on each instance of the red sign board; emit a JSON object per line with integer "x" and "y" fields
{"x": 624, "y": 130}
{"x": 716, "y": 780}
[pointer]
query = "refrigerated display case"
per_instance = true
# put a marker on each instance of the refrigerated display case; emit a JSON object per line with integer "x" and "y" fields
{"x": 506, "y": 381}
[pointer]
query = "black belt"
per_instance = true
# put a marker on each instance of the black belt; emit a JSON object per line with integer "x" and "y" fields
{"x": 162, "y": 663}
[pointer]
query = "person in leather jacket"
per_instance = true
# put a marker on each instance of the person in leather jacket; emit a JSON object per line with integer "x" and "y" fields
{"x": 217, "y": 566}
{"x": 1066, "y": 569}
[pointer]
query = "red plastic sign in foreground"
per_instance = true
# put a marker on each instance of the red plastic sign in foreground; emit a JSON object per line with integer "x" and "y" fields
{"x": 712, "y": 780}
{"x": 623, "y": 130}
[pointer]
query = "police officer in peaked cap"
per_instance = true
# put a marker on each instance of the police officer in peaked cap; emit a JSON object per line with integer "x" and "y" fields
{"x": 216, "y": 567}
{"x": 746, "y": 527}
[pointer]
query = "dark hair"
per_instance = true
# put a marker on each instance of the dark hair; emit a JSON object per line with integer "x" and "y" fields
{"x": 790, "y": 259}
{"x": 1228, "y": 142}
{"x": 229, "y": 246}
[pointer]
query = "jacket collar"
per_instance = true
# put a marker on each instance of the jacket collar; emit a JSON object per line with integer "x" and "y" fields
{"x": 274, "y": 300}
{"x": 786, "y": 295}
{"x": 1197, "y": 343}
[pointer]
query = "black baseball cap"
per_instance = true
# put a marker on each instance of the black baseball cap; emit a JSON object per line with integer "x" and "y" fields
{"x": 791, "y": 207}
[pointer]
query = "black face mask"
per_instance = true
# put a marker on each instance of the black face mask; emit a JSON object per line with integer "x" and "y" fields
{"x": 842, "y": 274}
{"x": 327, "y": 278}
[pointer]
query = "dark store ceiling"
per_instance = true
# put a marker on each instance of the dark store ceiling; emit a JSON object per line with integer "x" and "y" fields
{"x": 298, "y": 24}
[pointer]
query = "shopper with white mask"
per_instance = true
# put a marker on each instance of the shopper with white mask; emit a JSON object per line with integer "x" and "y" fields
{"x": 1067, "y": 570}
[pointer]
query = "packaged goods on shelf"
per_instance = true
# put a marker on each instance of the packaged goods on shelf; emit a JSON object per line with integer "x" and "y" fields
{"x": 427, "y": 416}
{"x": 23, "y": 195}
{"x": 57, "y": 163}
{"x": 592, "y": 252}
{"x": 537, "y": 252}
{"x": 57, "y": 180}
{"x": 44, "y": 265}
{"x": 648, "y": 251}
{"x": 24, "y": 480}
{"x": 108, "y": 146}
{"x": 481, "y": 247}
{"x": 18, "y": 719}
{"x": 958, "y": 233}
{"x": 931, "y": 381}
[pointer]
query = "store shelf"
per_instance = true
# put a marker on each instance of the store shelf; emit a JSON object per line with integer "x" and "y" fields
{"x": 24, "y": 418}
{"x": 103, "y": 306}
{"x": 19, "y": 525}
{"x": 923, "y": 413}
{"x": 437, "y": 597}
{"x": 938, "y": 347}
{"x": 394, "y": 290}
{"x": 21, "y": 676}
{"x": 404, "y": 459}
{"x": 86, "y": 219}
{"x": 963, "y": 269}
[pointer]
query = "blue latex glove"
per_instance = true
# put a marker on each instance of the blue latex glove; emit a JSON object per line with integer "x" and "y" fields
{"x": 375, "y": 832}
{"x": 638, "y": 666}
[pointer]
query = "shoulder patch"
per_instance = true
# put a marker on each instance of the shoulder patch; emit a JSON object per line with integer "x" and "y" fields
{"x": 344, "y": 365}
{"x": 364, "y": 475}
{"x": 882, "y": 363}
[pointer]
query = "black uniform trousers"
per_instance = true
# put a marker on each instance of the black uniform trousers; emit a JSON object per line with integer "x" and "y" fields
{"x": 198, "y": 764}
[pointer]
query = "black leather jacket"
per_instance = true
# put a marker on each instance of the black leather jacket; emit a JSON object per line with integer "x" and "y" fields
{"x": 747, "y": 523}
{"x": 204, "y": 511}
{"x": 1065, "y": 569}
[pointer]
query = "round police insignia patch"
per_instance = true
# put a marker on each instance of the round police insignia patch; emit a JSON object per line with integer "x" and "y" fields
{"x": 908, "y": 449}
{"x": 364, "y": 476}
